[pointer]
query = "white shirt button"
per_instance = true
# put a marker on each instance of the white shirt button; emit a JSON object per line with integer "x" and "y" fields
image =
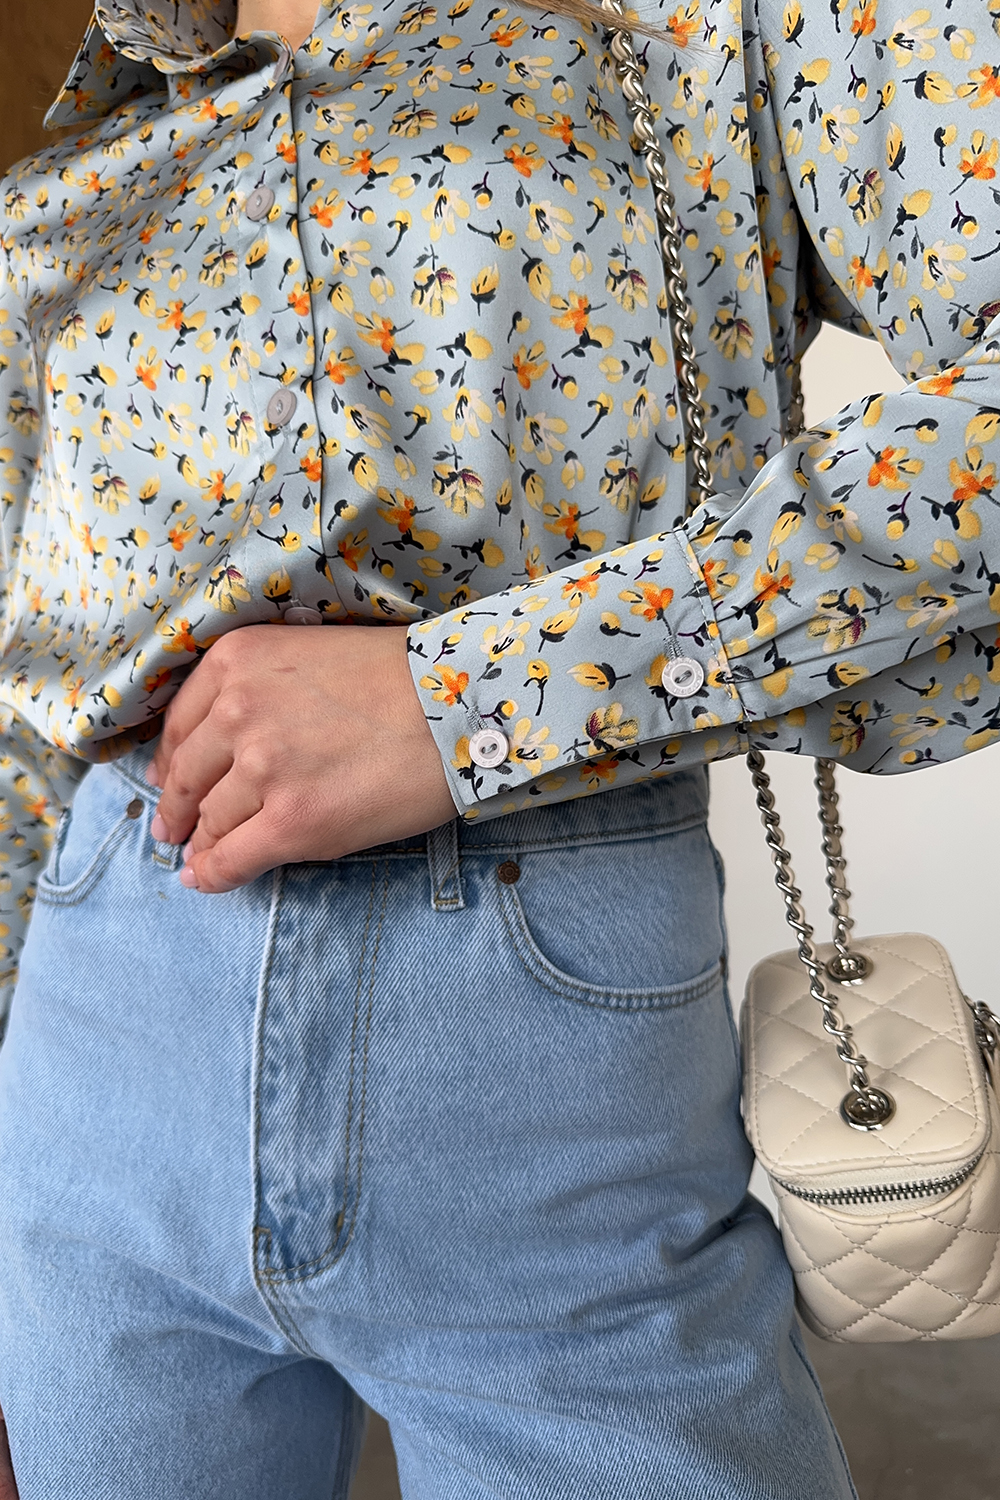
{"x": 259, "y": 204}
{"x": 488, "y": 748}
{"x": 302, "y": 614}
{"x": 683, "y": 676}
{"x": 281, "y": 407}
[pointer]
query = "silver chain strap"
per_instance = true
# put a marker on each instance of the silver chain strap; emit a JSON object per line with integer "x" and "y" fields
{"x": 864, "y": 1107}
{"x": 846, "y": 966}
{"x": 681, "y": 320}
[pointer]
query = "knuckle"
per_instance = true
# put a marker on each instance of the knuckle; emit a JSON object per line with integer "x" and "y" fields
{"x": 180, "y": 779}
{"x": 255, "y": 761}
{"x": 232, "y": 709}
{"x": 181, "y": 789}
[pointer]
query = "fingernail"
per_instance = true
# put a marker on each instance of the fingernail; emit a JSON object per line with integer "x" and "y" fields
{"x": 188, "y": 877}
{"x": 151, "y": 774}
{"x": 159, "y": 830}
{"x": 188, "y": 850}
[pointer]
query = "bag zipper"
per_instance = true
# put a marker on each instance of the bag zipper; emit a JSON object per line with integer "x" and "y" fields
{"x": 893, "y": 1192}
{"x": 988, "y": 1038}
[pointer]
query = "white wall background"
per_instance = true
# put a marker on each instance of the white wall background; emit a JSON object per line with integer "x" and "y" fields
{"x": 922, "y": 847}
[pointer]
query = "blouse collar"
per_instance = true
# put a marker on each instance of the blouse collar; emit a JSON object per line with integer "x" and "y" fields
{"x": 129, "y": 45}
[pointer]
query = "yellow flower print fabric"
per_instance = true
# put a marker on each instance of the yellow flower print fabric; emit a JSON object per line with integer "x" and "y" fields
{"x": 379, "y": 330}
{"x": 841, "y": 593}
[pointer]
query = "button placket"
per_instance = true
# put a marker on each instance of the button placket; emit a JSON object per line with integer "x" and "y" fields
{"x": 259, "y": 204}
{"x": 286, "y": 426}
{"x": 281, "y": 408}
{"x": 298, "y": 613}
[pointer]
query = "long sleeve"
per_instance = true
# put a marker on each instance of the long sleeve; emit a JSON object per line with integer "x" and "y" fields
{"x": 829, "y": 606}
{"x": 35, "y": 778}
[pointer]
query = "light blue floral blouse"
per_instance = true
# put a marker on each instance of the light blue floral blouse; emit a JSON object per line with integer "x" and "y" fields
{"x": 377, "y": 332}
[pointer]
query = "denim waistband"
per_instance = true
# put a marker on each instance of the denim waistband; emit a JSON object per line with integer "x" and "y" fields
{"x": 670, "y": 803}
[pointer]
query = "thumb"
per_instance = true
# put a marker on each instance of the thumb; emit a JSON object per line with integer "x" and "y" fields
{"x": 237, "y": 859}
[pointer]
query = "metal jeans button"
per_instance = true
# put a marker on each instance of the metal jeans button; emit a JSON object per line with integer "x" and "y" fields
{"x": 683, "y": 676}
{"x": 488, "y": 748}
{"x": 281, "y": 407}
{"x": 259, "y": 204}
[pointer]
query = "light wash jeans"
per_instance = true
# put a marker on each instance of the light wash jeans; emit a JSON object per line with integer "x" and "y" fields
{"x": 450, "y": 1128}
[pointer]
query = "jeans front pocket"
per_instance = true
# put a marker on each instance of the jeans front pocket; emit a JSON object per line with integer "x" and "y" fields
{"x": 630, "y": 925}
{"x": 90, "y": 831}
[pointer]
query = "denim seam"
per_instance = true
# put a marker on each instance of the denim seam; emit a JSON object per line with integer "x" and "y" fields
{"x": 73, "y": 894}
{"x": 597, "y": 836}
{"x": 261, "y": 1242}
{"x": 304, "y": 1270}
{"x": 446, "y": 882}
{"x": 352, "y": 1432}
{"x": 280, "y": 1314}
{"x": 59, "y": 843}
{"x": 475, "y": 850}
{"x": 794, "y": 1339}
{"x": 734, "y": 1033}
{"x": 149, "y": 792}
{"x": 580, "y": 991}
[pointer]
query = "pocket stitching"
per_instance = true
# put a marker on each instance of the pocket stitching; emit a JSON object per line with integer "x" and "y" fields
{"x": 51, "y": 894}
{"x": 274, "y": 1276}
{"x": 582, "y": 991}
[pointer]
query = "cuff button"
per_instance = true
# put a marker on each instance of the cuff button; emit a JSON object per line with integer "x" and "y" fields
{"x": 488, "y": 748}
{"x": 683, "y": 676}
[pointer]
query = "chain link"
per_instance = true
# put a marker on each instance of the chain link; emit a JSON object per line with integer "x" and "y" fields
{"x": 833, "y": 1022}
{"x": 681, "y": 320}
{"x": 847, "y": 966}
{"x": 865, "y": 1107}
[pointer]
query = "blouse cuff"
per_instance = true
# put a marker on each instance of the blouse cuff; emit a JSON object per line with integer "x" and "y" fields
{"x": 609, "y": 662}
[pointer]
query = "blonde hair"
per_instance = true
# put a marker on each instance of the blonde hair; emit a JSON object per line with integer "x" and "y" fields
{"x": 595, "y": 15}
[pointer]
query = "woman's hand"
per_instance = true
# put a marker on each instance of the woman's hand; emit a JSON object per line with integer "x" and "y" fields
{"x": 8, "y": 1489}
{"x": 292, "y": 743}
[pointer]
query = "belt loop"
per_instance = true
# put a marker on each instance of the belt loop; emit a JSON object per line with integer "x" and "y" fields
{"x": 445, "y": 867}
{"x": 167, "y": 855}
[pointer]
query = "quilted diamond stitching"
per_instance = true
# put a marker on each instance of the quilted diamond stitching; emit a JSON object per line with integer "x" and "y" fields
{"x": 925, "y": 1104}
{"x": 825, "y": 1307}
{"x": 926, "y": 1270}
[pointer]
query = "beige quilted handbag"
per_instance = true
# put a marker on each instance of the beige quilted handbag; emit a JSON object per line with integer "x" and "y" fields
{"x": 889, "y": 1195}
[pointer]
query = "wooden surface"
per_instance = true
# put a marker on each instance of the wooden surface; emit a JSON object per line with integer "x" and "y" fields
{"x": 39, "y": 44}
